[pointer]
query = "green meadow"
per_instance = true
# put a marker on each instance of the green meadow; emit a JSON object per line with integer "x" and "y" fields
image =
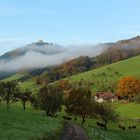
{"x": 128, "y": 67}
{"x": 31, "y": 124}
{"x": 16, "y": 124}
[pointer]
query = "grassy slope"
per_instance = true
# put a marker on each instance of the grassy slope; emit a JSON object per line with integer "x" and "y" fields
{"x": 28, "y": 84}
{"x": 127, "y": 111}
{"x": 113, "y": 132}
{"x": 129, "y": 114}
{"x": 14, "y": 77}
{"x": 31, "y": 85}
{"x": 129, "y": 67}
{"x": 17, "y": 124}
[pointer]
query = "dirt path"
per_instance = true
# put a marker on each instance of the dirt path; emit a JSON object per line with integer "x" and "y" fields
{"x": 73, "y": 132}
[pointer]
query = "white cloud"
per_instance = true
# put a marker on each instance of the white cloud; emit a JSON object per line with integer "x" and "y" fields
{"x": 34, "y": 59}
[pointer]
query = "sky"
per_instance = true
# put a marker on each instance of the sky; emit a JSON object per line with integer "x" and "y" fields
{"x": 67, "y": 22}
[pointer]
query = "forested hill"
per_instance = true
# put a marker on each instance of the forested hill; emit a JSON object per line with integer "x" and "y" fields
{"x": 115, "y": 52}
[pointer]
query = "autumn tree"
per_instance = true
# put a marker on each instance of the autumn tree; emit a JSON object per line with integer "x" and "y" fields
{"x": 7, "y": 90}
{"x": 80, "y": 103}
{"x": 64, "y": 84}
{"x": 128, "y": 86}
{"x": 50, "y": 99}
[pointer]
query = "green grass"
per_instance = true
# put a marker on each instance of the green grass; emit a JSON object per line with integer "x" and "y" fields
{"x": 27, "y": 84}
{"x": 31, "y": 85}
{"x": 127, "y": 111}
{"x": 16, "y": 124}
{"x": 129, "y": 115}
{"x": 129, "y": 67}
{"x": 14, "y": 77}
{"x": 30, "y": 124}
{"x": 113, "y": 132}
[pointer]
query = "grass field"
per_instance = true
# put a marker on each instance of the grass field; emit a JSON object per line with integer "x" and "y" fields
{"x": 113, "y": 132}
{"x": 129, "y": 67}
{"x": 30, "y": 124}
{"x": 16, "y": 124}
{"x": 128, "y": 111}
{"x": 129, "y": 115}
{"x": 14, "y": 77}
{"x": 31, "y": 85}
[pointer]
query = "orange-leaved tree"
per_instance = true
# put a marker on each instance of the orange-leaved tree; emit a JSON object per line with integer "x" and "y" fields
{"x": 64, "y": 84}
{"x": 128, "y": 86}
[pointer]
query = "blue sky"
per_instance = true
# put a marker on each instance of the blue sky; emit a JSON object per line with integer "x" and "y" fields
{"x": 67, "y": 21}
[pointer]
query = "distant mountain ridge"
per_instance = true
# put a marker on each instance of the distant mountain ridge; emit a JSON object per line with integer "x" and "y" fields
{"x": 39, "y": 47}
{"x": 50, "y": 48}
{"x": 39, "y": 56}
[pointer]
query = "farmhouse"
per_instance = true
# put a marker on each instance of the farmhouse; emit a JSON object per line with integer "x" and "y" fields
{"x": 105, "y": 97}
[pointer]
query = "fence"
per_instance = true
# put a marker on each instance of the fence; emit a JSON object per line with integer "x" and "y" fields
{"x": 97, "y": 133}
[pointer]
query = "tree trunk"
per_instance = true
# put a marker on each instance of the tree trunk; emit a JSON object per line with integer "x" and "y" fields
{"x": 7, "y": 102}
{"x": 24, "y": 106}
{"x": 46, "y": 112}
{"x": 83, "y": 120}
{"x": 105, "y": 124}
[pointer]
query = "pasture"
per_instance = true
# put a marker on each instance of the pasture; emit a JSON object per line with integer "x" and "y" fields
{"x": 16, "y": 124}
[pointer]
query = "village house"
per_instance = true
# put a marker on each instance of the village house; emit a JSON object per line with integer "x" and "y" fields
{"x": 105, "y": 97}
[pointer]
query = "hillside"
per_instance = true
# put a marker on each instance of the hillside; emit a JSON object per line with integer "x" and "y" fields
{"x": 129, "y": 67}
{"x": 14, "y": 77}
{"x": 30, "y": 124}
{"x": 41, "y": 56}
{"x": 38, "y": 47}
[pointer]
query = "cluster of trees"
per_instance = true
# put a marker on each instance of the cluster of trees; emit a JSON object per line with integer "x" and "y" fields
{"x": 50, "y": 99}
{"x": 67, "y": 69}
{"x": 9, "y": 92}
{"x": 112, "y": 54}
{"x": 119, "y": 51}
{"x": 81, "y": 103}
{"x": 79, "y": 100}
